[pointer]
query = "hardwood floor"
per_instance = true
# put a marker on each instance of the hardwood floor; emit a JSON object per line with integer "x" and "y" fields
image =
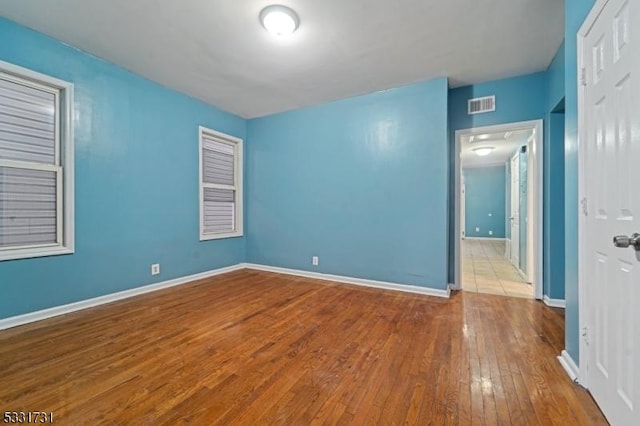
{"x": 253, "y": 347}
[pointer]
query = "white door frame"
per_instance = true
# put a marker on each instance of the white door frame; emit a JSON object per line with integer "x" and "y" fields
{"x": 531, "y": 178}
{"x": 537, "y": 198}
{"x": 583, "y": 313}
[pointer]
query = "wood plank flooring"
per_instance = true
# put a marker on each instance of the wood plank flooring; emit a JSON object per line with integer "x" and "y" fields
{"x": 253, "y": 347}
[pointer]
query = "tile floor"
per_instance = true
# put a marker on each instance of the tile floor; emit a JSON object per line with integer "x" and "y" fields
{"x": 486, "y": 270}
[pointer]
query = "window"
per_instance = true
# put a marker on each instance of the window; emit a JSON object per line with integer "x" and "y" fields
{"x": 220, "y": 185}
{"x": 36, "y": 164}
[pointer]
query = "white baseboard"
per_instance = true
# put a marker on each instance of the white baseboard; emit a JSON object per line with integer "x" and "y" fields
{"x": 569, "y": 366}
{"x": 554, "y": 303}
{"x": 485, "y": 238}
{"x": 351, "y": 280}
{"x": 125, "y": 294}
{"x": 108, "y": 298}
{"x": 522, "y": 274}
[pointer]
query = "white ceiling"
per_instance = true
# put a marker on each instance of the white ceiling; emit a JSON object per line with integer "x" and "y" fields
{"x": 505, "y": 145}
{"x": 217, "y": 51}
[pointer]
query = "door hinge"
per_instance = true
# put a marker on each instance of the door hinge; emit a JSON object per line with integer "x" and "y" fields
{"x": 585, "y": 208}
{"x": 583, "y": 76}
{"x": 585, "y": 335}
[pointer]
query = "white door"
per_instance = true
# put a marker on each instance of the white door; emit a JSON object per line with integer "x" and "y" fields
{"x": 514, "y": 217}
{"x": 463, "y": 210}
{"x": 611, "y": 157}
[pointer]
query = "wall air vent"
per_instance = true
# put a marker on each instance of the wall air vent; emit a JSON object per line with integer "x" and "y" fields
{"x": 480, "y": 105}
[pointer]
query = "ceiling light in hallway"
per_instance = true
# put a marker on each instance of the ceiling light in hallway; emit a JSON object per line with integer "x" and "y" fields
{"x": 484, "y": 151}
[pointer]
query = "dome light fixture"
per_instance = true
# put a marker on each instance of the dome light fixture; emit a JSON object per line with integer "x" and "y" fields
{"x": 484, "y": 151}
{"x": 279, "y": 20}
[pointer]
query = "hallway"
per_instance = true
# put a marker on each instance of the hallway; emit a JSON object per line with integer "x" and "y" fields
{"x": 486, "y": 270}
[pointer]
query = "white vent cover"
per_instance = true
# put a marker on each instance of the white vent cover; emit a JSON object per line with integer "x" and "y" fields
{"x": 480, "y": 105}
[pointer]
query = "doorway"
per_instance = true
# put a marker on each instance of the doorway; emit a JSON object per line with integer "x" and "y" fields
{"x": 498, "y": 211}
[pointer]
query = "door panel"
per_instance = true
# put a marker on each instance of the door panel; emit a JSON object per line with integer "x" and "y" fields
{"x": 611, "y": 149}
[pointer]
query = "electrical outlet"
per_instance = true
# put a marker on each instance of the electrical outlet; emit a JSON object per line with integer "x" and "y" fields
{"x": 490, "y": 232}
{"x": 155, "y": 269}
{"x": 314, "y": 260}
{"x": 477, "y": 229}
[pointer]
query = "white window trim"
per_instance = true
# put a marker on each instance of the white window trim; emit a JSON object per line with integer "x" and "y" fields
{"x": 238, "y": 173}
{"x": 64, "y": 151}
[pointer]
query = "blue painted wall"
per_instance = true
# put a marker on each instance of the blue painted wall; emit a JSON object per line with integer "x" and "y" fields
{"x": 136, "y": 182}
{"x": 575, "y": 13}
{"x": 554, "y": 208}
{"x": 520, "y": 98}
{"x": 555, "y": 79}
{"x": 485, "y": 201}
{"x": 361, "y": 183}
{"x": 517, "y": 99}
{"x": 553, "y": 259}
{"x": 523, "y": 210}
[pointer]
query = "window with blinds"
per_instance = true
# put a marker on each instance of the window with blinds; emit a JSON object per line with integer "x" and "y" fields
{"x": 220, "y": 185}
{"x": 35, "y": 151}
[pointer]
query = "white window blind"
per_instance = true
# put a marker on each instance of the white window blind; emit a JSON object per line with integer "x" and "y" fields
{"x": 218, "y": 158}
{"x": 220, "y": 185}
{"x": 28, "y": 204}
{"x": 35, "y": 146}
{"x": 219, "y": 206}
{"x": 27, "y": 123}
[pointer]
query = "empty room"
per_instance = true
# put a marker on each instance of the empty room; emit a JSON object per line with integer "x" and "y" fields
{"x": 329, "y": 212}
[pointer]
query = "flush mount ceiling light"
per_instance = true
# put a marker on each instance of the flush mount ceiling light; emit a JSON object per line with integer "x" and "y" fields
{"x": 279, "y": 20}
{"x": 484, "y": 151}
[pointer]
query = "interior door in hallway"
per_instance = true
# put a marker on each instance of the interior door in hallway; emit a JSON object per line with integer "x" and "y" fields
{"x": 611, "y": 156}
{"x": 514, "y": 216}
